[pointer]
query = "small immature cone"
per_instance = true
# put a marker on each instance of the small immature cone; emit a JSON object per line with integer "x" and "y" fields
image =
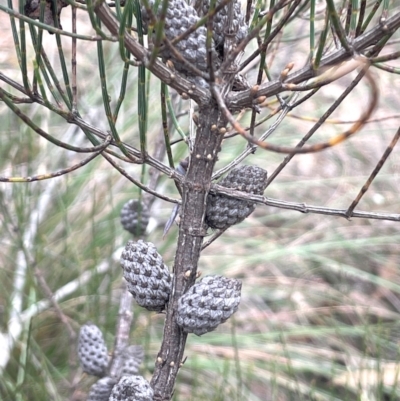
{"x": 135, "y": 217}
{"x": 92, "y": 350}
{"x": 147, "y": 276}
{"x": 101, "y": 390}
{"x": 132, "y": 358}
{"x": 223, "y": 211}
{"x": 208, "y": 303}
{"x": 132, "y": 388}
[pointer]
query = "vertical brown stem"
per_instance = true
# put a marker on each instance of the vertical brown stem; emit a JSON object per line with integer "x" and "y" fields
{"x": 191, "y": 233}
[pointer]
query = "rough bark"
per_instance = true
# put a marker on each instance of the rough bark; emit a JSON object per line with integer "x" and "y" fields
{"x": 191, "y": 233}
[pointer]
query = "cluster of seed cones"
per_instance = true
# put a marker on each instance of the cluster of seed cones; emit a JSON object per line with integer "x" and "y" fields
{"x": 206, "y": 305}
{"x": 127, "y": 388}
{"x": 94, "y": 360}
{"x": 212, "y": 300}
{"x": 191, "y": 50}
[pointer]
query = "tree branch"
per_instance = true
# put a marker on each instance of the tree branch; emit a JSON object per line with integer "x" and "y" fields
{"x": 301, "y": 207}
{"x": 238, "y": 100}
{"x": 160, "y": 70}
{"x": 195, "y": 189}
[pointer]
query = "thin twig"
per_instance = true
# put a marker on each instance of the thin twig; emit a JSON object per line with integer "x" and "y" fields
{"x": 331, "y": 109}
{"x": 73, "y": 63}
{"x": 239, "y": 100}
{"x": 17, "y": 321}
{"x": 158, "y": 69}
{"x": 47, "y": 176}
{"x": 52, "y": 29}
{"x": 123, "y": 326}
{"x": 138, "y": 183}
{"x": 251, "y": 148}
{"x": 50, "y": 296}
{"x": 374, "y": 173}
{"x": 216, "y": 235}
{"x": 311, "y": 148}
{"x": 301, "y": 207}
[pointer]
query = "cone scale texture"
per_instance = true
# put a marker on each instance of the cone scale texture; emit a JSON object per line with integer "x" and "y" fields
{"x": 135, "y": 217}
{"x": 220, "y": 20}
{"x": 180, "y": 17}
{"x": 132, "y": 388}
{"x": 132, "y": 358}
{"x": 92, "y": 350}
{"x": 147, "y": 276}
{"x": 101, "y": 390}
{"x": 223, "y": 211}
{"x": 208, "y": 303}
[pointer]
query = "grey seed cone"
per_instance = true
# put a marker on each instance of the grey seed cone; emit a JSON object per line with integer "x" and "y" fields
{"x": 135, "y": 217}
{"x": 180, "y": 16}
{"x": 147, "y": 276}
{"x": 101, "y": 390}
{"x": 220, "y": 20}
{"x": 132, "y": 358}
{"x": 132, "y": 388}
{"x": 223, "y": 211}
{"x": 92, "y": 350}
{"x": 208, "y": 303}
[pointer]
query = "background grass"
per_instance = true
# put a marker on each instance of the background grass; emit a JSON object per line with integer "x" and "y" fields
{"x": 319, "y": 316}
